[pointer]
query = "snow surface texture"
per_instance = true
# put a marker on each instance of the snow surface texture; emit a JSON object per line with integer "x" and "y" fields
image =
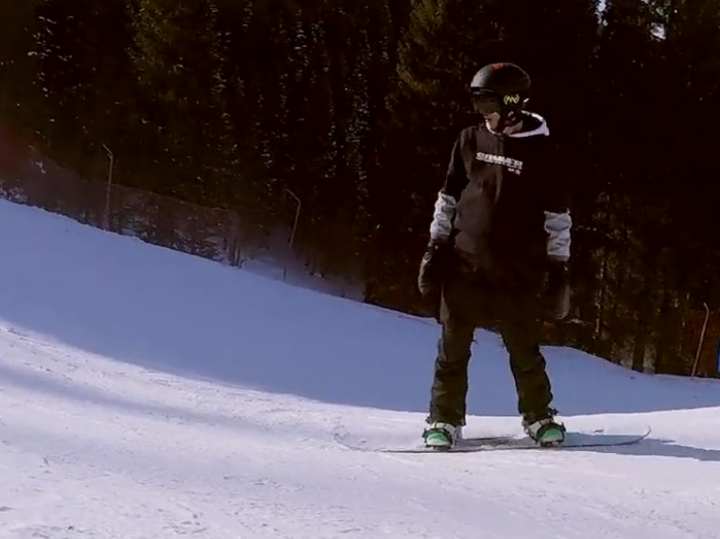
{"x": 148, "y": 394}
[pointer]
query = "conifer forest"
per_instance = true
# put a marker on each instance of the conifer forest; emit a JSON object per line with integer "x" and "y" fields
{"x": 353, "y": 106}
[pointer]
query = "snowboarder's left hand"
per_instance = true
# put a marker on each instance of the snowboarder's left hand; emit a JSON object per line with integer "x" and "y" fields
{"x": 557, "y": 289}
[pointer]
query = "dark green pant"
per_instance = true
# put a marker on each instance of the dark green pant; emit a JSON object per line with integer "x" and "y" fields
{"x": 514, "y": 309}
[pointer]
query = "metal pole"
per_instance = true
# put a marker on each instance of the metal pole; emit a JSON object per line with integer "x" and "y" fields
{"x": 109, "y": 187}
{"x": 700, "y": 342}
{"x": 297, "y": 216}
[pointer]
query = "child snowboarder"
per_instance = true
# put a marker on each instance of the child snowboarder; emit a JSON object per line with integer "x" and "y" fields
{"x": 498, "y": 253}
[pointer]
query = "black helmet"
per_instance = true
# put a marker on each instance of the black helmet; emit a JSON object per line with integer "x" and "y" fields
{"x": 501, "y": 87}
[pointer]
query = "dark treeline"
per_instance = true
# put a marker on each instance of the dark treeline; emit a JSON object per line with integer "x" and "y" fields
{"x": 354, "y": 106}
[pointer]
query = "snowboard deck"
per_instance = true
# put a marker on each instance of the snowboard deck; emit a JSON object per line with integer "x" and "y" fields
{"x": 595, "y": 438}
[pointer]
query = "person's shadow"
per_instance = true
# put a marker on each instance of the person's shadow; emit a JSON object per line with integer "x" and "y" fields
{"x": 657, "y": 447}
{"x": 599, "y": 442}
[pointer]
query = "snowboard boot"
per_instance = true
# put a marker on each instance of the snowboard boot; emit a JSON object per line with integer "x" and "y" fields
{"x": 441, "y": 436}
{"x": 543, "y": 428}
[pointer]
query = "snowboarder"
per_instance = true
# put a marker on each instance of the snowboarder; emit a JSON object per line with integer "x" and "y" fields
{"x": 498, "y": 254}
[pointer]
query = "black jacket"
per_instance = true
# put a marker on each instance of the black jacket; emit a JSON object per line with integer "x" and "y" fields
{"x": 503, "y": 203}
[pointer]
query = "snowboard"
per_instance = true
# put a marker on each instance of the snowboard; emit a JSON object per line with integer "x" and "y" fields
{"x": 573, "y": 439}
{"x": 596, "y": 438}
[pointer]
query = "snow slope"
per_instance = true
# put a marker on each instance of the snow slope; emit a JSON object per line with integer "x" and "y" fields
{"x": 148, "y": 394}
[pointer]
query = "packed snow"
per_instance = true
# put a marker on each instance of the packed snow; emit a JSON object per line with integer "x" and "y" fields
{"x": 149, "y": 394}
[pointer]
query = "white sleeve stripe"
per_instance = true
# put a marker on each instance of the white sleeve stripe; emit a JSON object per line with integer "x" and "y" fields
{"x": 442, "y": 223}
{"x": 558, "y": 226}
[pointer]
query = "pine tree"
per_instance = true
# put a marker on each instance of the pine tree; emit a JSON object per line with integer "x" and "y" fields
{"x": 83, "y": 72}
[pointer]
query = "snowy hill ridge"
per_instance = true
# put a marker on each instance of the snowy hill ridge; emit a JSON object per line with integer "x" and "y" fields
{"x": 145, "y": 393}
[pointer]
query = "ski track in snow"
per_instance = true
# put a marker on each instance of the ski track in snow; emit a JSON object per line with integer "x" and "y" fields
{"x": 97, "y": 446}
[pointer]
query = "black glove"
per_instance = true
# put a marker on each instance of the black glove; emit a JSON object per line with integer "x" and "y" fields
{"x": 557, "y": 290}
{"x": 431, "y": 276}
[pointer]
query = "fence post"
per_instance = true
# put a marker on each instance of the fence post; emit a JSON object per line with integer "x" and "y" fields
{"x": 700, "y": 342}
{"x": 294, "y": 227}
{"x": 109, "y": 187}
{"x": 297, "y": 216}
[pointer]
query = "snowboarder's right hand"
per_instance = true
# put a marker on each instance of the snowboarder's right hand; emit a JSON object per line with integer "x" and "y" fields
{"x": 557, "y": 290}
{"x": 431, "y": 276}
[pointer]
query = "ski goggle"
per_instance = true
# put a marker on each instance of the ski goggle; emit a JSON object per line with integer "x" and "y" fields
{"x": 486, "y": 102}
